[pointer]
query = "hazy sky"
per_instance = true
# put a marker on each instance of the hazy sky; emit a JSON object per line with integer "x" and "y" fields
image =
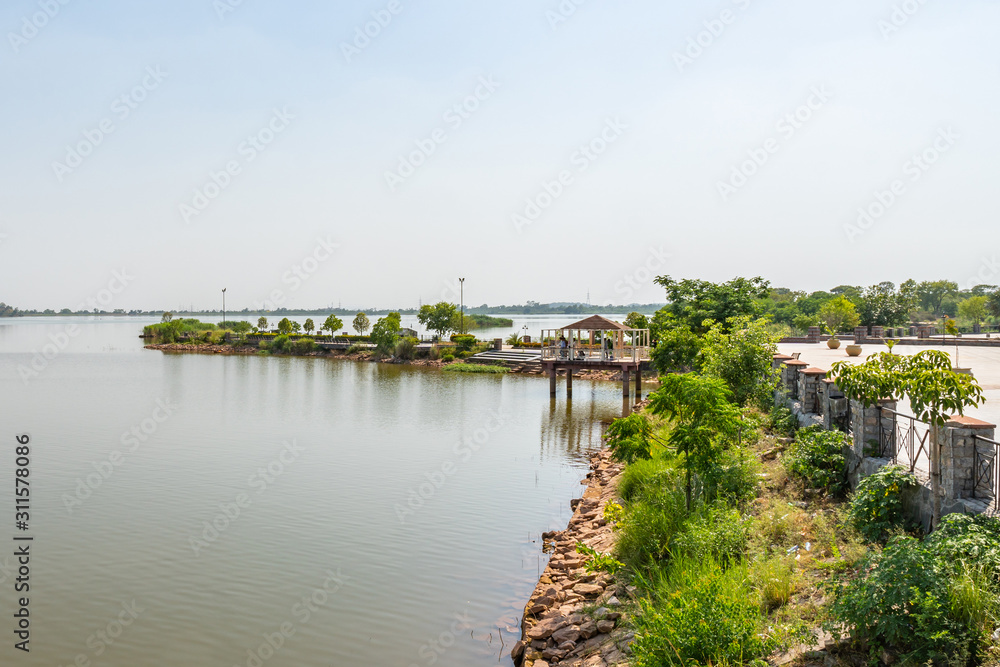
{"x": 538, "y": 149}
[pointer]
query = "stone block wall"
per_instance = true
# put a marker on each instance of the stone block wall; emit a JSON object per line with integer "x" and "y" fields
{"x": 820, "y": 401}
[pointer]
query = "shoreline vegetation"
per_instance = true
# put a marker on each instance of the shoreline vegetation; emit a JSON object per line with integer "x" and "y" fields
{"x": 713, "y": 530}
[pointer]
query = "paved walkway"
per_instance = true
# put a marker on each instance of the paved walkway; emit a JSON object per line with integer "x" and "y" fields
{"x": 984, "y": 362}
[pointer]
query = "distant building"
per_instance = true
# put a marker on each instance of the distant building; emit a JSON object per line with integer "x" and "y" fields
{"x": 407, "y": 333}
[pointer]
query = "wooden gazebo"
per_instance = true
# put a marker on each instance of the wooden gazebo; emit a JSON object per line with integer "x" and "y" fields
{"x": 595, "y": 343}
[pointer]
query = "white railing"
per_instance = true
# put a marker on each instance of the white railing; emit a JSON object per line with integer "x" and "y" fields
{"x": 594, "y": 353}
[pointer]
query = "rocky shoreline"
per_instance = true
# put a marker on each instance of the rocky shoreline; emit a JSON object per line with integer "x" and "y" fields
{"x": 573, "y": 618}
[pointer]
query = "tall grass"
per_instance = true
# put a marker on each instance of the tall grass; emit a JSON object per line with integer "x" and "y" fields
{"x": 699, "y": 613}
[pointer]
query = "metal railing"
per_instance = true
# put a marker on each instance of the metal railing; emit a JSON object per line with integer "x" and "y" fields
{"x": 905, "y": 442}
{"x": 984, "y": 468}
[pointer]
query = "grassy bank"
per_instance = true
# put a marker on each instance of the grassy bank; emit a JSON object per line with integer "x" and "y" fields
{"x": 766, "y": 556}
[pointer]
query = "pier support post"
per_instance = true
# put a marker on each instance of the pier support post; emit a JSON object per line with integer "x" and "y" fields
{"x": 552, "y": 381}
{"x": 625, "y": 391}
{"x": 638, "y": 385}
{"x": 569, "y": 383}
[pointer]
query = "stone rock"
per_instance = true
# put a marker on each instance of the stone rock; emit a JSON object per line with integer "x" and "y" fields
{"x": 613, "y": 601}
{"x": 569, "y": 633}
{"x": 588, "y": 590}
{"x": 605, "y": 626}
{"x": 518, "y": 650}
{"x": 588, "y": 629}
{"x": 594, "y": 661}
{"x": 540, "y": 663}
{"x": 553, "y": 654}
{"x": 544, "y": 629}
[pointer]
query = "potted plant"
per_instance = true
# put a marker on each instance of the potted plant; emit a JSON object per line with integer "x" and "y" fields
{"x": 853, "y": 350}
{"x": 839, "y": 314}
{"x": 833, "y": 342}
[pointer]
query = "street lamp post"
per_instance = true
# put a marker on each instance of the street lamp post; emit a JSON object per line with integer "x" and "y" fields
{"x": 223, "y": 305}
{"x": 461, "y": 282}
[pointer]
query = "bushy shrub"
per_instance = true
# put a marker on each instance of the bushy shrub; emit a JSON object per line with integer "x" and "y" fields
{"x": 280, "y": 344}
{"x": 434, "y": 353}
{"x": 700, "y": 614}
{"x": 972, "y": 539}
{"x": 447, "y": 357}
{"x": 465, "y": 342}
{"x": 303, "y": 345}
{"x": 817, "y": 457}
{"x": 357, "y": 347}
{"x": 901, "y": 599}
{"x": 406, "y": 348}
{"x": 877, "y": 504}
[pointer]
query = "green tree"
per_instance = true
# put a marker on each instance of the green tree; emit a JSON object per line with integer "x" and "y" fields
{"x": 704, "y": 419}
{"x": 884, "y": 305}
{"x": 839, "y": 314}
{"x": 332, "y": 323}
{"x": 931, "y": 293}
{"x": 262, "y": 323}
{"x": 636, "y": 321}
{"x": 439, "y": 318}
{"x": 361, "y": 323}
{"x": 296, "y": 327}
{"x": 385, "y": 333}
{"x": 692, "y": 302}
{"x": 742, "y": 359}
{"x": 167, "y": 316}
{"x": 984, "y": 290}
{"x": 935, "y": 392}
{"x": 678, "y": 348}
{"x": 993, "y": 305}
{"x": 974, "y": 309}
{"x": 285, "y": 326}
{"x": 309, "y": 325}
{"x": 852, "y": 292}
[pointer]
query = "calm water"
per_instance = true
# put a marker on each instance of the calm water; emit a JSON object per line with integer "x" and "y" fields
{"x": 386, "y": 515}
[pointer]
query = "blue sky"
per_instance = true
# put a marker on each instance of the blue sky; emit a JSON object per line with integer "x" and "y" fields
{"x": 675, "y": 158}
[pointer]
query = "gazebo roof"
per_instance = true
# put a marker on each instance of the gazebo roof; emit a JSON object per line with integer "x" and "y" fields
{"x": 595, "y": 323}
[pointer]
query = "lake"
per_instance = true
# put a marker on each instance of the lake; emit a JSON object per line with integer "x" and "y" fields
{"x": 252, "y": 510}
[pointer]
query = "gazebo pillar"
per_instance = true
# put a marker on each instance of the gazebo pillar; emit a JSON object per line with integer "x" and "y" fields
{"x": 552, "y": 380}
{"x": 638, "y": 385}
{"x": 569, "y": 383}
{"x": 625, "y": 392}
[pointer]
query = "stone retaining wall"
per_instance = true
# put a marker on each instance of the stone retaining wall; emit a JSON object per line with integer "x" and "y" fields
{"x": 816, "y": 400}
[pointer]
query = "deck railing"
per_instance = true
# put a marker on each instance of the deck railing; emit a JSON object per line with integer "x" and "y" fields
{"x": 906, "y": 442}
{"x": 594, "y": 353}
{"x": 984, "y": 466}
